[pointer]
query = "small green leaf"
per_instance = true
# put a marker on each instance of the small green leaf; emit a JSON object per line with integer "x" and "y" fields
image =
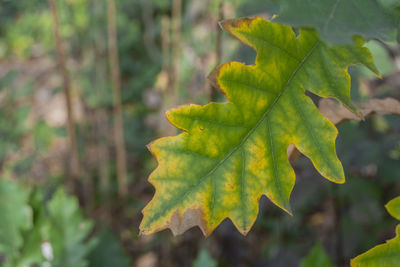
{"x": 15, "y": 216}
{"x": 383, "y": 61}
{"x": 393, "y": 207}
{"x": 43, "y": 135}
{"x": 66, "y": 231}
{"x": 31, "y": 252}
{"x": 108, "y": 252}
{"x": 317, "y": 257}
{"x": 204, "y": 259}
{"x": 385, "y": 255}
{"x": 337, "y": 21}
{"x": 230, "y": 154}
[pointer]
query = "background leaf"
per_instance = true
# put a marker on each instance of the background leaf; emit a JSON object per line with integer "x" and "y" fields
{"x": 392, "y": 8}
{"x": 15, "y": 216}
{"x": 108, "y": 252}
{"x": 31, "y": 252}
{"x": 337, "y": 21}
{"x": 66, "y": 230}
{"x": 317, "y": 257}
{"x": 204, "y": 259}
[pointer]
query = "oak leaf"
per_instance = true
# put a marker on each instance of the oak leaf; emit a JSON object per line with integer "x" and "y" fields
{"x": 230, "y": 154}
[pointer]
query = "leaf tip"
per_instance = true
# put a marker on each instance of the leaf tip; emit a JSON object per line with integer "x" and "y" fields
{"x": 150, "y": 147}
{"x": 285, "y": 206}
{"x": 337, "y": 176}
{"x": 342, "y": 181}
{"x": 213, "y": 77}
{"x": 142, "y": 230}
{"x": 170, "y": 115}
{"x": 288, "y": 209}
{"x": 360, "y": 115}
{"x": 393, "y": 209}
{"x": 339, "y": 179}
{"x": 244, "y": 231}
{"x": 352, "y": 107}
{"x": 230, "y": 24}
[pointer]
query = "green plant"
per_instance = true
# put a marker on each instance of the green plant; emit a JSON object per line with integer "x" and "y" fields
{"x": 36, "y": 230}
{"x": 316, "y": 257}
{"x": 204, "y": 259}
{"x": 16, "y": 218}
{"x": 230, "y": 154}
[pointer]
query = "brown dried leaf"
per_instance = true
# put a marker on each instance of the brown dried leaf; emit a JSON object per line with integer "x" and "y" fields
{"x": 338, "y": 114}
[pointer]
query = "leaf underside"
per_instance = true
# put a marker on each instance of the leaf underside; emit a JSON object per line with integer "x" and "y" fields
{"x": 337, "y": 21}
{"x": 230, "y": 154}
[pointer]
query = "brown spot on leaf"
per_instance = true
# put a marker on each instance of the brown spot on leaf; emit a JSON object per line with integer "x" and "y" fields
{"x": 292, "y": 152}
{"x": 235, "y": 23}
{"x": 213, "y": 78}
{"x": 192, "y": 217}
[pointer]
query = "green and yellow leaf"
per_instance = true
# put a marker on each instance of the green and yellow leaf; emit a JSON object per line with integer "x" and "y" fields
{"x": 384, "y": 255}
{"x": 393, "y": 207}
{"x": 230, "y": 154}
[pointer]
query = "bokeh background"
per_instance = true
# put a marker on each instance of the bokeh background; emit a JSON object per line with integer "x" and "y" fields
{"x": 68, "y": 199}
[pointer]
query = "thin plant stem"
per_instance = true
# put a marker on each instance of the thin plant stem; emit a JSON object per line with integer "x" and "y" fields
{"x": 116, "y": 87}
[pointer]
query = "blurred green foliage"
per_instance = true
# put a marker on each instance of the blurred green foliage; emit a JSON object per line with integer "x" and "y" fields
{"x": 36, "y": 213}
{"x": 38, "y": 229}
{"x": 316, "y": 257}
{"x": 204, "y": 259}
{"x": 108, "y": 252}
{"x": 66, "y": 230}
{"x": 16, "y": 217}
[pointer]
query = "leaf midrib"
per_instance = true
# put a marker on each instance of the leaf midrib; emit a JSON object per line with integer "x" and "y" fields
{"x": 233, "y": 150}
{"x": 266, "y": 113}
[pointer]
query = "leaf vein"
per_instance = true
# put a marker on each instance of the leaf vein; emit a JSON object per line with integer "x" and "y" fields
{"x": 233, "y": 150}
